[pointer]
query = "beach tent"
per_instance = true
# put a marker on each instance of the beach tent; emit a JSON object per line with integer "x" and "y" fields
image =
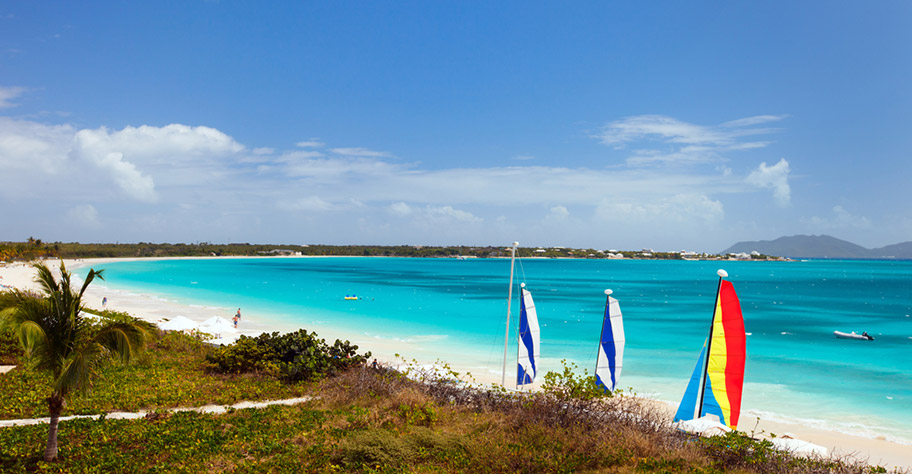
{"x": 179, "y": 323}
{"x": 797, "y": 446}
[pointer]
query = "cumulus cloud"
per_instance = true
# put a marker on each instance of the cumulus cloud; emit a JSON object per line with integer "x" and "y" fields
{"x": 400, "y": 209}
{"x": 8, "y": 94}
{"x": 312, "y": 143}
{"x": 558, "y": 213}
{"x": 193, "y": 181}
{"x": 431, "y": 213}
{"x": 840, "y": 219}
{"x": 773, "y": 177}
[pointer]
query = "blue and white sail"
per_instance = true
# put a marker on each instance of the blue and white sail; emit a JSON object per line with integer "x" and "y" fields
{"x": 611, "y": 346}
{"x": 527, "y": 365}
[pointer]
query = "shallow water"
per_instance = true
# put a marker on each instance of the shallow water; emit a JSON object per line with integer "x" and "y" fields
{"x": 455, "y": 310}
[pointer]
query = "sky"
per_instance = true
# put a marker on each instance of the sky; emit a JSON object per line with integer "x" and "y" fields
{"x": 610, "y": 125}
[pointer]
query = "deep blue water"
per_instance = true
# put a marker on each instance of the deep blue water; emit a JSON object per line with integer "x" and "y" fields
{"x": 455, "y": 310}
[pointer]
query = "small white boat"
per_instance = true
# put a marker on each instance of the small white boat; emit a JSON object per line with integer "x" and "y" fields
{"x": 853, "y": 335}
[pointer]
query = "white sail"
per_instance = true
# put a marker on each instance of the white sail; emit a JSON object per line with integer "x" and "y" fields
{"x": 611, "y": 347}
{"x": 529, "y": 340}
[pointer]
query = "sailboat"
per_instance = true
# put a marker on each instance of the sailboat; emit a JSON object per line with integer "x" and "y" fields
{"x": 717, "y": 381}
{"x": 529, "y": 339}
{"x": 528, "y": 333}
{"x": 611, "y": 346}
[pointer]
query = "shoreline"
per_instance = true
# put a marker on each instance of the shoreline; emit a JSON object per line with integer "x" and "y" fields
{"x": 876, "y": 449}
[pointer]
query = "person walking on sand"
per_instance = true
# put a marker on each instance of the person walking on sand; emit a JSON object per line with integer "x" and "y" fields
{"x": 238, "y": 315}
{"x": 104, "y": 302}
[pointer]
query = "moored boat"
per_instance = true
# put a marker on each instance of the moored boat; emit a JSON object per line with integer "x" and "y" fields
{"x": 864, "y": 336}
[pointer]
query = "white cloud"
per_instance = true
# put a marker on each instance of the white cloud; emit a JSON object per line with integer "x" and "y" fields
{"x": 400, "y": 209}
{"x": 558, "y": 213}
{"x": 840, "y": 219}
{"x": 773, "y": 177}
{"x": 311, "y": 203}
{"x": 263, "y": 151}
{"x": 682, "y": 142}
{"x": 84, "y": 215}
{"x": 431, "y": 213}
{"x": 312, "y": 143}
{"x": 688, "y": 208}
{"x": 358, "y": 151}
{"x": 448, "y": 212}
{"x": 128, "y": 178}
{"x": 7, "y": 94}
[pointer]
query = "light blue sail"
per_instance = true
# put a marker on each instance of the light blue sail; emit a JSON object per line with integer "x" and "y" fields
{"x": 527, "y": 363}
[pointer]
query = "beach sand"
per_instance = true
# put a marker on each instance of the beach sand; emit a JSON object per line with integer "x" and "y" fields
{"x": 872, "y": 450}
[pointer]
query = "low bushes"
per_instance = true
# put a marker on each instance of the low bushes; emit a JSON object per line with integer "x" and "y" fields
{"x": 293, "y": 357}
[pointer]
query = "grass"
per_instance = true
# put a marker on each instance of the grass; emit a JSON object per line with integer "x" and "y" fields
{"x": 173, "y": 372}
{"x": 368, "y": 421}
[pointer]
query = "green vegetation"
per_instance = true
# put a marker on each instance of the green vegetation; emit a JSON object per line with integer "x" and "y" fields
{"x": 172, "y": 372}
{"x": 59, "y": 341}
{"x": 292, "y": 357}
{"x": 35, "y": 248}
{"x": 362, "y": 419}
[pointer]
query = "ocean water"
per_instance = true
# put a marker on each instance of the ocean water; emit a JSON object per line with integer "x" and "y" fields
{"x": 455, "y": 310}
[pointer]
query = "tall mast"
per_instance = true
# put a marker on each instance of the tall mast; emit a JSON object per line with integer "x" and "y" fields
{"x": 503, "y": 376}
{"x": 605, "y": 317}
{"x": 699, "y": 409}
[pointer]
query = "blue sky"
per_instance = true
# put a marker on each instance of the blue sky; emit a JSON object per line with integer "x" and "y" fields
{"x": 670, "y": 125}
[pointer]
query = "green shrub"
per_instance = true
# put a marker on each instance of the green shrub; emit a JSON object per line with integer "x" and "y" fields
{"x": 568, "y": 384}
{"x": 293, "y": 357}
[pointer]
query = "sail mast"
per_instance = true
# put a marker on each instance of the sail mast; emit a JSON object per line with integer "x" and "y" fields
{"x": 503, "y": 376}
{"x": 698, "y": 411}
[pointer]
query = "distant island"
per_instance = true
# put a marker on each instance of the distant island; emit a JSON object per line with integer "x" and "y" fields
{"x": 36, "y": 249}
{"x": 821, "y": 246}
{"x": 796, "y": 246}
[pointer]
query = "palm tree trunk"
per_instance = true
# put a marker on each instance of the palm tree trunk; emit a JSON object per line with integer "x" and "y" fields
{"x": 55, "y": 405}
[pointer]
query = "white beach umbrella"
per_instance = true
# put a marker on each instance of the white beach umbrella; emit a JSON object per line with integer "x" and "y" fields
{"x": 179, "y": 323}
{"x": 798, "y": 446}
{"x": 229, "y": 339}
{"x": 219, "y": 328}
{"x": 216, "y": 320}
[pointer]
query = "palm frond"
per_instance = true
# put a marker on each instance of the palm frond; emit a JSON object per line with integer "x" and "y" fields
{"x": 123, "y": 340}
{"x": 78, "y": 370}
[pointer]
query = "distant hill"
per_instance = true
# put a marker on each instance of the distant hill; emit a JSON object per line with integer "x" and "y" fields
{"x": 820, "y": 246}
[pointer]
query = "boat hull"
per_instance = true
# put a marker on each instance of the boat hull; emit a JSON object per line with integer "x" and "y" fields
{"x": 852, "y": 335}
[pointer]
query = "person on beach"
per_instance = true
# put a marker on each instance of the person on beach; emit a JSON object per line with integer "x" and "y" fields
{"x": 238, "y": 315}
{"x": 104, "y": 301}
{"x": 235, "y": 319}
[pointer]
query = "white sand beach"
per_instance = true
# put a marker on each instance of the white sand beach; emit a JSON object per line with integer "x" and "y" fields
{"x": 874, "y": 450}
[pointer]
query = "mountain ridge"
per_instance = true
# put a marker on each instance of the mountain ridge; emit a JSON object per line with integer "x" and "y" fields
{"x": 820, "y": 246}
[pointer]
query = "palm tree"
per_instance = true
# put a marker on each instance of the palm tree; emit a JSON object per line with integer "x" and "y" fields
{"x": 58, "y": 339}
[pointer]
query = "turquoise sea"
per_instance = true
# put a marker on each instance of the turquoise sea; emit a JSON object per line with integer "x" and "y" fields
{"x": 455, "y": 310}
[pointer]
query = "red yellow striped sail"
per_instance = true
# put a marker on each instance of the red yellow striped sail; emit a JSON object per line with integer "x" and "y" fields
{"x": 723, "y": 376}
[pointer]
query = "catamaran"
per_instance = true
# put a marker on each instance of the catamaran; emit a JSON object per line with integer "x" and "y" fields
{"x": 529, "y": 340}
{"x": 528, "y": 333}
{"x": 611, "y": 346}
{"x": 717, "y": 381}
